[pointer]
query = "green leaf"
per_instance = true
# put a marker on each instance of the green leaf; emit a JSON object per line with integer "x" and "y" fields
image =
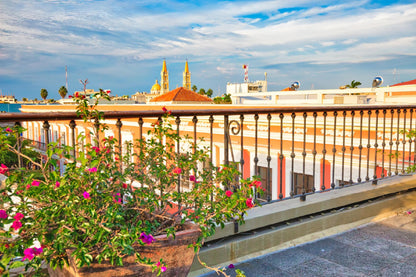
{"x": 16, "y": 264}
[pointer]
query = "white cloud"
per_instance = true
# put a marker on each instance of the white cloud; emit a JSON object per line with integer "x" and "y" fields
{"x": 258, "y": 32}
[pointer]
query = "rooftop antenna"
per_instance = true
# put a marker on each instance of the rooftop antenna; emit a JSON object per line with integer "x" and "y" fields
{"x": 84, "y": 83}
{"x": 66, "y": 77}
{"x": 245, "y": 67}
{"x": 394, "y": 75}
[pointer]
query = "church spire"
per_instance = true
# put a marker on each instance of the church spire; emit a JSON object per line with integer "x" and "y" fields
{"x": 186, "y": 77}
{"x": 164, "y": 78}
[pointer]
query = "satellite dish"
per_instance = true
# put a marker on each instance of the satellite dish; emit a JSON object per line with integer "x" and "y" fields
{"x": 377, "y": 82}
{"x": 295, "y": 85}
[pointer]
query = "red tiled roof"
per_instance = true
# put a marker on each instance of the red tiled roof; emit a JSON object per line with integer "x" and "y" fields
{"x": 181, "y": 94}
{"x": 412, "y": 82}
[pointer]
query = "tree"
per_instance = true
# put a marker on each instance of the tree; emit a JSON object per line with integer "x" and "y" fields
{"x": 63, "y": 91}
{"x": 194, "y": 88}
{"x": 10, "y": 159}
{"x": 201, "y": 91}
{"x": 226, "y": 99}
{"x": 43, "y": 93}
{"x": 354, "y": 84}
{"x": 24, "y": 99}
{"x": 209, "y": 93}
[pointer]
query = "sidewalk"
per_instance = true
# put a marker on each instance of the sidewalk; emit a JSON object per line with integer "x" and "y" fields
{"x": 385, "y": 248}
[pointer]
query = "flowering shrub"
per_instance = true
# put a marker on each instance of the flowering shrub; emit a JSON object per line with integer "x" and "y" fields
{"x": 102, "y": 206}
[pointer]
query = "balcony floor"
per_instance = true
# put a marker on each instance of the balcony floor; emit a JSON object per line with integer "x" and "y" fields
{"x": 384, "y": 248}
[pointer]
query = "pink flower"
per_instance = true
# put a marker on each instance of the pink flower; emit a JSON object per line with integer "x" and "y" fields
{"x": 158, "y": 264}
{"x": 231, "y": 266}
{"x": 257, "y": 184}
{"x": 93, "y": 169}
{"x": 70, "y": 96}
{"x": 249, "y": 203}
{"x": 3, "y": 214}
{"x": 164, "y": 109}
{"x": 409, "y": 212}
{"x": 3, "y": 169}
{"x": 117, "y": 199}
{"x": 57, "y": 184}
{"x": 16, "y": 225}
{"x": 18, "y": 216}
{"x": 124, "y": 185}
{"x": 86, "y": 195}
{"x": 148, "y": 239}
{"x": 177, "y": 170}
{"x": 35, "y": 183}
{"x": 8, "y": 130}
{"x": 163, "y": 268}
{"x": 96, "y": 149}
{"x": 28, "y": 252}
{"x": 192, "y": 178}
{"x": 228, "y": 193}
{"x": 37, "y": 251}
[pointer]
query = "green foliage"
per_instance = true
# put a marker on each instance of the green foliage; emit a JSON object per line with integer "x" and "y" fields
{"x": 63, "y": 91}
{"x": 105, "y": 201}
{"x": 354, "y": 84}
{"x": 209, "y": 93}
{"x": 194, "y": 88}
{"x": 44, "y": 94}
{"x": 9, "y": 141}
{"x": 226, "y": 99}
{"x": 201, "y": 91}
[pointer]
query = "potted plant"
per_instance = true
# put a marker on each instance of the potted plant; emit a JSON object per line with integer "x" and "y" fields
{"x": 112, "y": 210}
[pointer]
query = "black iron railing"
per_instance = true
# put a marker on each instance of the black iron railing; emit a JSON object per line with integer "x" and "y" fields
{"x": 295, "y": 150}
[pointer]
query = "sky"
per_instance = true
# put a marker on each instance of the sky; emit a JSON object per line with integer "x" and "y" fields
{"x": 120, "y": 44}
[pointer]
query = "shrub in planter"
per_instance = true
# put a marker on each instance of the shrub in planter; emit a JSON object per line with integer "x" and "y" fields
{"x": 108, "y": 205}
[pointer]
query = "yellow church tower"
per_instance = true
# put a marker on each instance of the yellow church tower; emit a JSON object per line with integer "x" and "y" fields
{"x": 186, "y": 77}
{"x": 164, "y": 79}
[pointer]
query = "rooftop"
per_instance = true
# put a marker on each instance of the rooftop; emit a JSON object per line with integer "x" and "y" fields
{"x": 384, "y": 248}
{"x": 181, "y": 94}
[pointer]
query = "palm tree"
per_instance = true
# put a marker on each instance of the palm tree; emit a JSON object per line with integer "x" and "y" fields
{"x": 354, "y": 84}
{"x": 194, "y": 88}
{"x": 209, "y": 93}
{"x": 63, "y": 91}
{"x": 202, "y": 91}
{"x": 43, "y": 93}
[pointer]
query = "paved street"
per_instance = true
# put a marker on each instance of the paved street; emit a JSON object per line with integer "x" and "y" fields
{"x": 385, "y": 248}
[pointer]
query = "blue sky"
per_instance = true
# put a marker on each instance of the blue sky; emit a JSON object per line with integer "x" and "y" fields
{"x": 120, "y": 44}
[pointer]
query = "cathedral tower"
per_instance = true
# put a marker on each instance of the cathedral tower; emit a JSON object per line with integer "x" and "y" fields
{"x": 164, "y": 79}
{"x": 186, "y": 77}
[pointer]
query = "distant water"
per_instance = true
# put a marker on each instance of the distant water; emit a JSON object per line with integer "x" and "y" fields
{"x": 10, "y": 108}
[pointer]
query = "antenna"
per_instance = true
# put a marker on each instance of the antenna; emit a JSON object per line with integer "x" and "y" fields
{"x": 84, "y": 83}
{"x": 66, "y": 77}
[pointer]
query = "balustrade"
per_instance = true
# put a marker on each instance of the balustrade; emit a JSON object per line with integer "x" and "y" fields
{"x": 289, "y": 147}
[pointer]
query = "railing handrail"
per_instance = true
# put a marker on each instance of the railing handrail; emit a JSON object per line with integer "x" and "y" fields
{"x": 56, "y": 116}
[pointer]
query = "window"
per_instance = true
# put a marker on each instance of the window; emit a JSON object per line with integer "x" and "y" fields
{"x": 298, "y": 180}
{"x": 263, "y": 176}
